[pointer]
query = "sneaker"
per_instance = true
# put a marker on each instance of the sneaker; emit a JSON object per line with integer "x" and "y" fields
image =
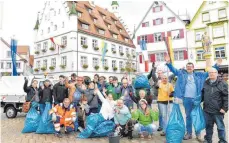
{"x": 59, "y": 135}
{"x": 149, "y": 136}
{"x": 80, "y": 129}
{"x": 163, "y": 134}
{"x": 199, "y": 139}
{"x": 159, "y": 129}
{"x": 187, "y": 137}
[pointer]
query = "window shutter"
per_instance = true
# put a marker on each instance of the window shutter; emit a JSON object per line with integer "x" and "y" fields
{"x": 169, "y": 34}
{"x": 140, "y": 59}
{"x": 138, "y": 40}
{"x": 173, "y": 20}
{"x": 143, "y": 24}
{"x": 152, "y": 57}
{"x": 162, "y": 35}
{"x": 161, "y": 7}
{"x": 181, "y": 33}
{"x": 185, "y": 54}
{"x": 150, "y": 38}
{"x": 154, "y": 22}
{"x": 161, "y": 20}
{"x": 153, "y": 9}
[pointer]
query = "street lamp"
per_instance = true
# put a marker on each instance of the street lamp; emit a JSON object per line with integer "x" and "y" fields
{"x": 45, "y": 74}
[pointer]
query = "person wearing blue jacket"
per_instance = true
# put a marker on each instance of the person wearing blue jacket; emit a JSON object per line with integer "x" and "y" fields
{"x": 121, "y": 117}
{"x": 188, "y": 86}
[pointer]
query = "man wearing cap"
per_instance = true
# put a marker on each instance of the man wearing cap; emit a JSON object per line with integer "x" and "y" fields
{"x": 60, "y": 91}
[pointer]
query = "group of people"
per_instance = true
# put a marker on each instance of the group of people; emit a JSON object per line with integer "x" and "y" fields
{"x": 79, "y": 99}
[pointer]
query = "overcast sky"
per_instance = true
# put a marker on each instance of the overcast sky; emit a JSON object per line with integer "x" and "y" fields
{"x": 19, "y": 17}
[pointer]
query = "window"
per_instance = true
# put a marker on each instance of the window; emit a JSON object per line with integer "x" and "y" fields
{"x": 113, "y": 47}
{"x": 205, "y": 17}
{"x": 8, "y": 65}
{"x": 121, "y": 64}
{"x": 64, "y": 61}
{"x": 160, "y": 57}
{"x": 94, "y": 43}
{"x": 83, "y": 41}
{"x": 105, "y": 63}
{"x": 199, "y": 35}
{"x": 115, "y": 22}
{"x": 53, "y": 62}
{"x": 175, "y": 34}
{"x": 55, "y": 27}
{"x": 144, "y": 38}
{"x": 120, "y": 30}
{"x": 85, "y": 26}
{"x": 8, "y": 53}
{"x": 127, "y": 51}
{"x": 126, "y": 39}
{"x": 103, "y": 16}
{"x": 220, "y": 52}
{"x": 79, "y": 14}
{"x": 158, "y": 21}
{"x": 48, "y": 29}
{"x": 51, "y": 23}
{"x": 54, "y": 13}
{"x": 59, "y": 11}
{"x": 101, "y": 31}
{"x": 120, "y": 49}
{"x": 115, "y": 36}
{"x": 109, "y": 26}
{"x": 212, "y": 2}
{"x": 38, "y": 65}
{"x": 199, "y": 55}
{"x": 2, "y": 65}
{"x": 171, "y": 19}
{"x": 178, "y": 55}
{"x": 145, "y": 24}
{"x": 45, "y": 45}
{"x": 157, "y": 9}
{"x": 222, "y": 13}
{"x": 113, "y": 63}
{"x": 38, "y": 47}
{"x": 83, "y": 60}
{"x": 95, "y": 62}
{"x": 218, "y": 31}
{"x": 89, "y": 10}
{"x": 157, "y": 37}
{"x": 62, "y": 24}
{"x": 133, "y": 52}
{"x": 45, "y": 63}
{"x": 18, "y": 65}
{"x": 64, "y": 40}
{"x": 94, "y": 20}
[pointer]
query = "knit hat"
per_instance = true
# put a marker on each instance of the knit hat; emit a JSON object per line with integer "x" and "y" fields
{"x": 143, "y": 100}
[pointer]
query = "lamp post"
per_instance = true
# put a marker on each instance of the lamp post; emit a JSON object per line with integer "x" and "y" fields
{"x": 45, "y": 74}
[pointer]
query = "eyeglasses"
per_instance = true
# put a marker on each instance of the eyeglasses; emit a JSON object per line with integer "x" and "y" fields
{"x": 212, "y": 72}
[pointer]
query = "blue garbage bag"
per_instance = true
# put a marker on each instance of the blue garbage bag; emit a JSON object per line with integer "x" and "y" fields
{"x": 32, "y": 119}
{"x": 141, "y": 82}
{"x": 198, "y": 119}
{"x": 175, "y": 129}
{"x": 104, "y": 129}
{"x": 46, "y": 125}
{"x": 92, "y": 122}
{"x": 76, "y": 125}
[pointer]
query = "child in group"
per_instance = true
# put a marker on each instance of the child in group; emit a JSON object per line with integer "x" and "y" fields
{"x": 83, "y": 111}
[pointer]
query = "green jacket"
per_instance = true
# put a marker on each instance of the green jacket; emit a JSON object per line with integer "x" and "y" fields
{"x": 142, "y": 118}
{"x": 111, "y": 89}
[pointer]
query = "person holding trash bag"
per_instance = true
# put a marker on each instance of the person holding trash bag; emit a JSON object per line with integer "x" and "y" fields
{"x": 60, "y": 91}
{"x": 215, "y": 98}
{"x": 145, "y": 117}
{"x": 32, "y": 91}
{"x": 63, "y": 114}
{"x": 189, "y": 85}
{"x": 121, "y": 118}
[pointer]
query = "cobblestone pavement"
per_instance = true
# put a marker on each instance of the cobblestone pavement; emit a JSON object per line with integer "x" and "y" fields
{"x": 11, "y": 133}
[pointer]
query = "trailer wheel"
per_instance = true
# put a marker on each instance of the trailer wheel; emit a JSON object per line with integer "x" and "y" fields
{"x": 11, "y": 112}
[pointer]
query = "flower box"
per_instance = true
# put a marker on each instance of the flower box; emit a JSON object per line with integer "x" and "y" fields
{"x": 85, "y": 46}
{"x": 37, "y": 52}
{"x": 134, "y": 56}
{"x": 122, "y": 69}
{"x": 51, "y": 48}
{"x": 114, "y": 52}
{"x": 121, "y": 53}
{"x": 62, "y": 46}
{"x": 52, "y": 67}
{"x": 96, "y": 48}
{"x": 43, "y": 50}
{"x": 85, "y": 66}
{"x": 96, "y": 67}
{"x": 36, "y": 69}
{"x": 115, "y": 68}
{"x": 63, "y": 66}
{"x": 43, "y": 68}
{"x": 106, "y": 68}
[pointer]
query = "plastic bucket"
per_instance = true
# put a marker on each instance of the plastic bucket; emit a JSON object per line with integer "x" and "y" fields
{"x": 113, "y": 138}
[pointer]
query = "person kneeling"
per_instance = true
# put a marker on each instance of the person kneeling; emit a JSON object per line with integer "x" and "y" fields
{"x": 63, "y": 114}
{"x": 144, "y": 116}
{"x": 121, "y": 118}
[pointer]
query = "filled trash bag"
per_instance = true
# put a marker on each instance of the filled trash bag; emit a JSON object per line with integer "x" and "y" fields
{"x": 92, "y": 122}
{"x": 141, "y": 82}
{"x": 76, "y": 125}
{"x": 46, "y": 124}
{"x": 198, "y": 119}
{"x": 32, "y": 119}
{"x": 175, "y": 129}
{"x": 104, "y": 129}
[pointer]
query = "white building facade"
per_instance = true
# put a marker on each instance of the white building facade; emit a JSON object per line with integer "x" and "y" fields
{"x": 80, "y": 49}
{"x": 159, "y": 22}
{"x": 212, "y": 17}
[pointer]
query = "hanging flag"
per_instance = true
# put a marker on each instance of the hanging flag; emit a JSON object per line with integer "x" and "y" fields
{"x": 104, "y": 49}
{"x": 168, "y": 43}
{"x": 145, "y": 54}
{"x": 55, "y": 44}
{"x": 13, "y": 48}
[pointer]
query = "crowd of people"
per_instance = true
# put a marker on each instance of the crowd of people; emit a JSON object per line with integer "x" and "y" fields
{"x": 78, "y": 99}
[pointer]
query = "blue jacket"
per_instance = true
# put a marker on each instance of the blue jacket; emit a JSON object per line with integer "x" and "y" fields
{"x": 182, "y": 75}
{"x": 122, "y": 117}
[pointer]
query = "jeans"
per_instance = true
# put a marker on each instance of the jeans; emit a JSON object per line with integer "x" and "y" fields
{"x": 165, "y": 110}
{"x": 148, "y": 128}
{"x": 160, "y": 118}
{"x": 189, "y": 105}
{"x": 210, "y": 120}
